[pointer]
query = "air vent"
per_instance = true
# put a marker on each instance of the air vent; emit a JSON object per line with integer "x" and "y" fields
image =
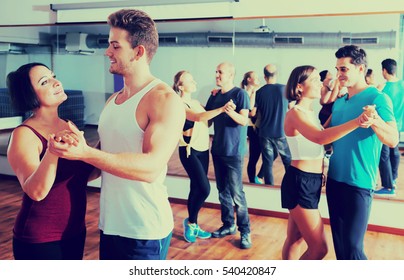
{"x": 168, "y": 40}
{"x": 76, "y": 43}
{"x": 103, "y": 42}
{"x": 360, "y": 40}
{"x": 288, "y": 40}
{"x": 220, "y": 39}
{"x": 11, "y": 48}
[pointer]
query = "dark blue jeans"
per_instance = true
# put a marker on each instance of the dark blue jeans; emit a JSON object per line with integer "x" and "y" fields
{"x": 228, "y": 172}
{"x": 254, "y": 154}
{"x": 270, "y": 147}
{"x": 388, "y": 166}
{"x": 349, "y": 209}
{"x": 115, "y": 247}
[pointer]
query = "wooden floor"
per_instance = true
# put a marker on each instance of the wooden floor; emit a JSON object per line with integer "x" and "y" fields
{"x": 267, "y": 233}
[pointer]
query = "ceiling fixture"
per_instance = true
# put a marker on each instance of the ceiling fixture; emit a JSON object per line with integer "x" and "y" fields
{"x": 132, "y": 3}
{"x": 98, "y": 11}
{"x": 263, "y": 28}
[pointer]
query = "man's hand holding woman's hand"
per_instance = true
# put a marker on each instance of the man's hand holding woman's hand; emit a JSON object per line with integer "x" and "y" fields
{"x": 69, "y": 143}
{"x": 368, "y": 117}
{"x": 229, "y": 106}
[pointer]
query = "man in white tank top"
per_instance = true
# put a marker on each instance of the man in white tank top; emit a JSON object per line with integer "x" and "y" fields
{"x": 139, "y": 130}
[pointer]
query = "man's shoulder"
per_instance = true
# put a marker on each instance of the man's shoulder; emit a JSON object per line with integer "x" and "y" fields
{"x": 397, "y": 84}
{"x": 372, "y": 95}
{"x": 271, "y": 88}
{"x": 280, "y": 87}
{"x": 162, "y": 93}
{"x": 372, "y": 90}
{"x": 162, "y": 89}
{"x": 237, "y": 90}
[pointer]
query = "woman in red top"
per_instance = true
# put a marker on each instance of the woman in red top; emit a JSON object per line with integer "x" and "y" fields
{"x": 51, "y": 221}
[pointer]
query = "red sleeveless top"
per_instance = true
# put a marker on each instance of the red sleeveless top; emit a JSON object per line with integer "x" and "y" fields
{"x": 61, "y": 214}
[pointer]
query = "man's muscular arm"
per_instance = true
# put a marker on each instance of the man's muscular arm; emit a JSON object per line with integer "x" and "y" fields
{"x": 166, "y": 119}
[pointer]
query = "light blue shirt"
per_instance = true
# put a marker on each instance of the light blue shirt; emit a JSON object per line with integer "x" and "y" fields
{"x": 356, "y": 156}
{"x": 395, "y": 90}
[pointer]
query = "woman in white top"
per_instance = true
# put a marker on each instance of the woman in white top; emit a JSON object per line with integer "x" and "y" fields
{"x": 301, "y": 185}
{"x": 194, "y": 152}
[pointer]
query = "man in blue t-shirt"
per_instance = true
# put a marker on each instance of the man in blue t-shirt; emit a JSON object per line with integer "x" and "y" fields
{"x": 390, "y": 157}
{"x": 229, "y": 146}
{"x": 272, "y": 105}
{"x": 353, "y": 165}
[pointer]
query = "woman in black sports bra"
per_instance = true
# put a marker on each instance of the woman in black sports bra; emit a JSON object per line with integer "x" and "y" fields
{"x": 51, "y": 221}
{"x": 194, "y": 152}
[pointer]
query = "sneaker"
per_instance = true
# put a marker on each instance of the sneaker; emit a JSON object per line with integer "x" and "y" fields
{"x": 200, "y": 233}
{"x": 258, "y": 180}
{"x": 189, "y": 231}
{"x": 224, "y": 230}
{"x": 245, "y": 241}
{"x": 385, "y": 192}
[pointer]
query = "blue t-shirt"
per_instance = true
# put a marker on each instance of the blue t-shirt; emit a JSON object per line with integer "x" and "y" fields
{"x": 272, "y": 106}
{"x": 230, "y": 138}
{"x": 356, "y": 156}
{"x": 395, "y": 90}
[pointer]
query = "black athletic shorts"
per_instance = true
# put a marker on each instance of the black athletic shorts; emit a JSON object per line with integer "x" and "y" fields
{"x": 301, "y": 188}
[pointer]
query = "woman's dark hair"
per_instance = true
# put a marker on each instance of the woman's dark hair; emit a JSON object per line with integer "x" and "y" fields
{"x": 177, "y": 81}
{"x": 323, "y": 75}
{"x": 298, "y": 76}
{"x": 244, "y": 82}
{"x": 23, "y": 95}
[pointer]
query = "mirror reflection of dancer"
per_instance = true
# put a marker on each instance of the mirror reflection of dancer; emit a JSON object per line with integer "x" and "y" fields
{"x": 251, "y": 83}
{"x": 194, "y": 151}
{"x": 301, "y": 185}
{"x": 390, "y": 157}
{"x": 51, "y": 222}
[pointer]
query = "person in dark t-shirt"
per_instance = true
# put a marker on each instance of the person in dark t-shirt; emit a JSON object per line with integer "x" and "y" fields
{"x": 228, "y": 149}
{"x": 272, "y": 106}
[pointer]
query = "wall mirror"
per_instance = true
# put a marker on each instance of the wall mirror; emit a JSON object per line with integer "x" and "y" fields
{"x": 76, "y": 53}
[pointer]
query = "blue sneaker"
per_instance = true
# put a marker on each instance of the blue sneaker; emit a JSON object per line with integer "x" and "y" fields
{"x": 224, "y": 230}
{"x": 258, "y": 181}
{"x": 245, "y": 240}
{"x": 200, "y": 233}
{"x": 189, "y": 231}
{"x": 385, "y": 192}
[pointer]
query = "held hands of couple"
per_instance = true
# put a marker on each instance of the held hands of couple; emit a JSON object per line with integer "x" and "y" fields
{"x": 368, "y": 117}
{"x": 69, "y": 143}
{"x": 229, "y": 106}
